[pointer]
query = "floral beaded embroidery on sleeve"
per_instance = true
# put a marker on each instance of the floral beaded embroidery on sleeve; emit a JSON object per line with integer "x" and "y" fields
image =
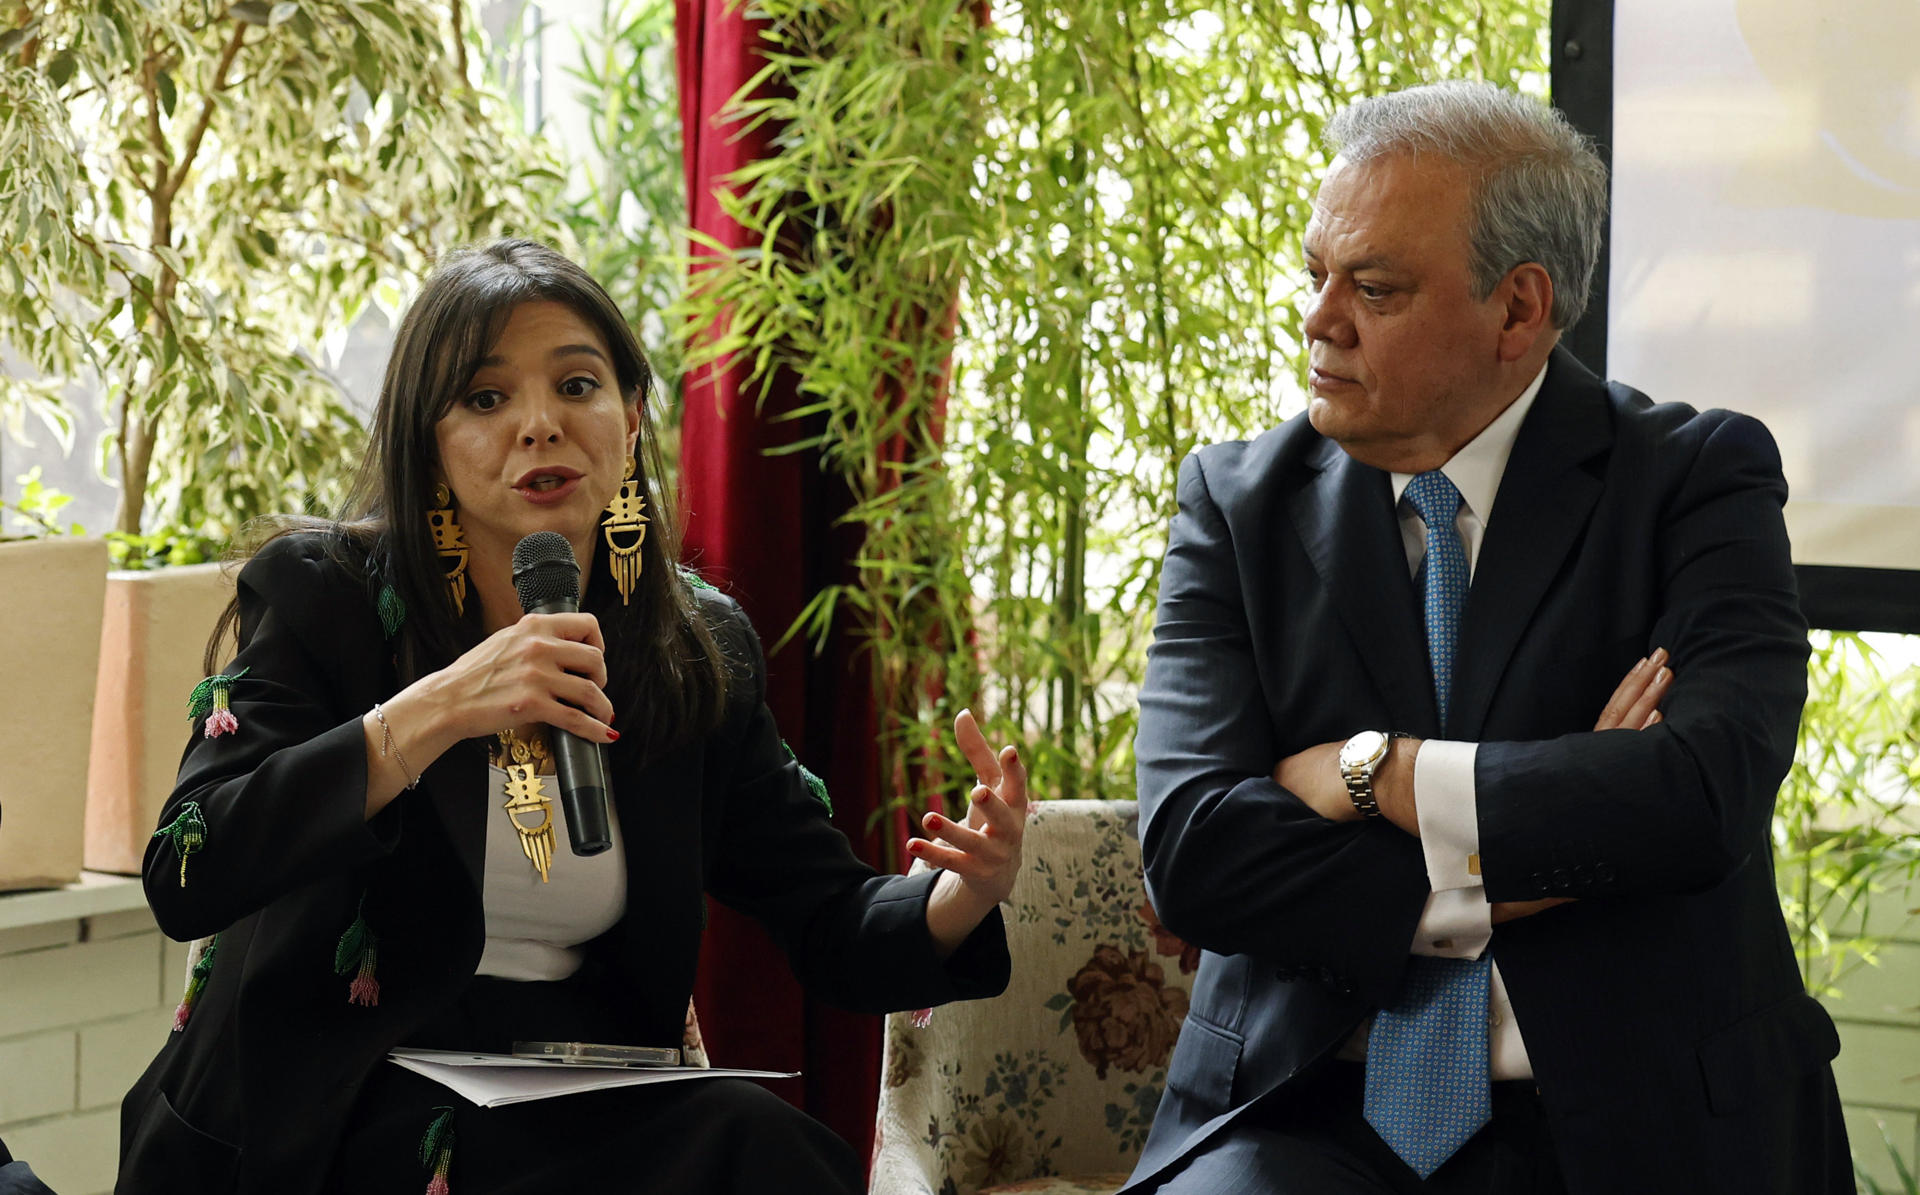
{"x": 436, "y": 1151}
{"x": 815, "y": 785}
{"x": 695, "y": 580}
{"x": 358, "y": 954}
{"x": 196, "y": 983}
{"x": 188, "y": 834}
{"x": 210, "y": 700}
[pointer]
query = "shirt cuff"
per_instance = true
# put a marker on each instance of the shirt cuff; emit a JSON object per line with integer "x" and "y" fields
{"x": 1448, "y": 813}
{"x": 1457, "y": 923}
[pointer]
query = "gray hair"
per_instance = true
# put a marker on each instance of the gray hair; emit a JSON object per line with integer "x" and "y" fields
{"x": 1539, "y": 189}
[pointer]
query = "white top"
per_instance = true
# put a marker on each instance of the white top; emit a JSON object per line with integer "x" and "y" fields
{"x": 535, "y": 930}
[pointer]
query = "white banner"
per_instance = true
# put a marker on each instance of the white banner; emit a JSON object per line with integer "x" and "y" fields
{"x": 1766, "y": 244}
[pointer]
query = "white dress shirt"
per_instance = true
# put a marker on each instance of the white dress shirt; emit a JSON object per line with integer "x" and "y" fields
{"x": 1458, "y": 921}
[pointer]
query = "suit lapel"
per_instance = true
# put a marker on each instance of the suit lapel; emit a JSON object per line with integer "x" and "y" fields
{"x": 1344, "y": 517}
{"x": 1544, "y": 502}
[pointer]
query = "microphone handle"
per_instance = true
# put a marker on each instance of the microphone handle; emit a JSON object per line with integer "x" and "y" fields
{"x": 584, "y": 787}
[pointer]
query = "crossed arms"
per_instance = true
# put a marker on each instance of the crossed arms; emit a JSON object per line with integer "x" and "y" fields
{"x": 1240, "y": 861}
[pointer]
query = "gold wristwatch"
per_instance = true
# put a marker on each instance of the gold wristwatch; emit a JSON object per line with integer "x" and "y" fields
{"x": 1360, "y": 757}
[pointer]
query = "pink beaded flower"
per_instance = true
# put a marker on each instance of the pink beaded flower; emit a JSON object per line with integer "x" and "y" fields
{"x": 211, "y": 699}
{"x": 359, "y": 954}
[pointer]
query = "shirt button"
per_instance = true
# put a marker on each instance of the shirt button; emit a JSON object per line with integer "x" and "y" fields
{"x": 1443, "y": 943}
{"x": 1494, "y": 1018}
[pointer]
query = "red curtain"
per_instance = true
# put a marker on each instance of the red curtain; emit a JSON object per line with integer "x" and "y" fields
{"x": 763, "y": 528}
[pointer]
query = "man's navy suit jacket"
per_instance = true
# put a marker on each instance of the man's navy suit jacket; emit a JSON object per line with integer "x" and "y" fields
{"x": 1670, "y": 1037}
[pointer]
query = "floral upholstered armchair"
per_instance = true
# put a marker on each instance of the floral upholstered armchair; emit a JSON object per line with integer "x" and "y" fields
{"x": 1051, "y": 1086}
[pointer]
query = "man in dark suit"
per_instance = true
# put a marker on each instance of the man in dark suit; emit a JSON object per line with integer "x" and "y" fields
{"x": 1461, "y": 730}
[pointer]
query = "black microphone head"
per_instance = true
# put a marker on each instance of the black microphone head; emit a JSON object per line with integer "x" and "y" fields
{"x": 544, "y": 570}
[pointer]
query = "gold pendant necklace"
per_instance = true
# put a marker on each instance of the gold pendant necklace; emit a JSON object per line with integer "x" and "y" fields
{"x": 526, "y": 793}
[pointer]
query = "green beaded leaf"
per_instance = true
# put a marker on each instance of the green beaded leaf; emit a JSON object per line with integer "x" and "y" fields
{"x": 439, "y": 1136}
{"x": 815, "y": 785}
{"x": 200, "y": 701}
{"x": 696, "y": 580}
{"x": 392, "y": 608}
{"x": 204, "y": 967}
{"x": 355, "y": 944}
{"x": 187, "y": 831}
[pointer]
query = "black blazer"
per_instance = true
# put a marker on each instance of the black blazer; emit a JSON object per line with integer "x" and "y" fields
{"x": 254, "y": 1093}
{"x": 1673, "y": 1045}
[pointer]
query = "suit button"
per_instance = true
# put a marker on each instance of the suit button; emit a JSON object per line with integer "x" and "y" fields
{"x": 1603, "y": 873}
{"x": 1539, "y": 882}
{"x": 1561, "y": 880}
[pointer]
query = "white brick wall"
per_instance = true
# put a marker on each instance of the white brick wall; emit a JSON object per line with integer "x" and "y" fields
{"x": 85, "y": 1002}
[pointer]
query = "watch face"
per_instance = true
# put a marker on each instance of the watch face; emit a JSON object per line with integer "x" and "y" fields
{"x": 1366, "y": 745}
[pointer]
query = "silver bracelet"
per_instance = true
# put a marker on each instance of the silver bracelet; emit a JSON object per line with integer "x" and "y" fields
{"x": 387, "y": 743}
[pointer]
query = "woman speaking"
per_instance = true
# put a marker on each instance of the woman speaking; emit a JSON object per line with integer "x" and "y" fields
{"x": 368, "y": 824}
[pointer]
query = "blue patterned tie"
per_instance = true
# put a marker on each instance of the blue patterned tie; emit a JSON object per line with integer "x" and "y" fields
{"x": 1427, "y": 1080}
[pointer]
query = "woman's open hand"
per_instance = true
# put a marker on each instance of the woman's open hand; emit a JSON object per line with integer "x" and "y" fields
{"x": 981, "y": 856}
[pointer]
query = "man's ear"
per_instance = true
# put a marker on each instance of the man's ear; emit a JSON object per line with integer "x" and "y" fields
{"x": 1527, "y": 292}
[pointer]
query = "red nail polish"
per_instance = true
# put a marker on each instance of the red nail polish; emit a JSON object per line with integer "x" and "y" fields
{"x": 613, "y": 736}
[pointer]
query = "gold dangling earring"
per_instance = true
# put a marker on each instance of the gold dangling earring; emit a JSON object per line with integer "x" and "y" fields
{"x": 451, "y": 543}
{"x": 624, "y": 518}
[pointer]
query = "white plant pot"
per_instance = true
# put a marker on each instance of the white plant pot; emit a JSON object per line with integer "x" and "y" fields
{"x": 151, "y": 640}
{"x": 51, "y": 592}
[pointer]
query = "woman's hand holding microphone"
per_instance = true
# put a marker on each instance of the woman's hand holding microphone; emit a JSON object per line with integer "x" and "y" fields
{"x": 545, "y": 668}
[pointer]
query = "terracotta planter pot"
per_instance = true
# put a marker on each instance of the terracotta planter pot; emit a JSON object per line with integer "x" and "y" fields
{"x": 151, "y": 639}
{"x": 50, "y": 600}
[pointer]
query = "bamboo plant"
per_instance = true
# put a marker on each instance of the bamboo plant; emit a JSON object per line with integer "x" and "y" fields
{"x": 1846, "y": 827}
{"x": 1020, "y": 267}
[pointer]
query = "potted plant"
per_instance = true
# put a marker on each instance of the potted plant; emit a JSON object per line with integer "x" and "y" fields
{"x": 52, "y": 581}
{"x": 214, "y": 193}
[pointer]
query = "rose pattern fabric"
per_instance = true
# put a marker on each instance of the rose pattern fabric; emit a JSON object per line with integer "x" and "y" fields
{"x": 1092, "y": 1184}
{"x": 994, "y": 1150}
{"x": 1165, "y": 943}
{"x": 903, "y": 1059}
{"x": 693, "y": 1047}
{"x": 992, "y": 1097}
{"x": 1123, "y": 1014}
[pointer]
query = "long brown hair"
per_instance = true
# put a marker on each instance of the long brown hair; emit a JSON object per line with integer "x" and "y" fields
{"x": 667, "y": 675}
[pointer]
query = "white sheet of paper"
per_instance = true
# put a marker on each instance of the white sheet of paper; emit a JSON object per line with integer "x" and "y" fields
{"x": 491, "y": 1080}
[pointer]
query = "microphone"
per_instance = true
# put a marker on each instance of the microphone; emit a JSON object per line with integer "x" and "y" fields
{"x": 547, "y": 578}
